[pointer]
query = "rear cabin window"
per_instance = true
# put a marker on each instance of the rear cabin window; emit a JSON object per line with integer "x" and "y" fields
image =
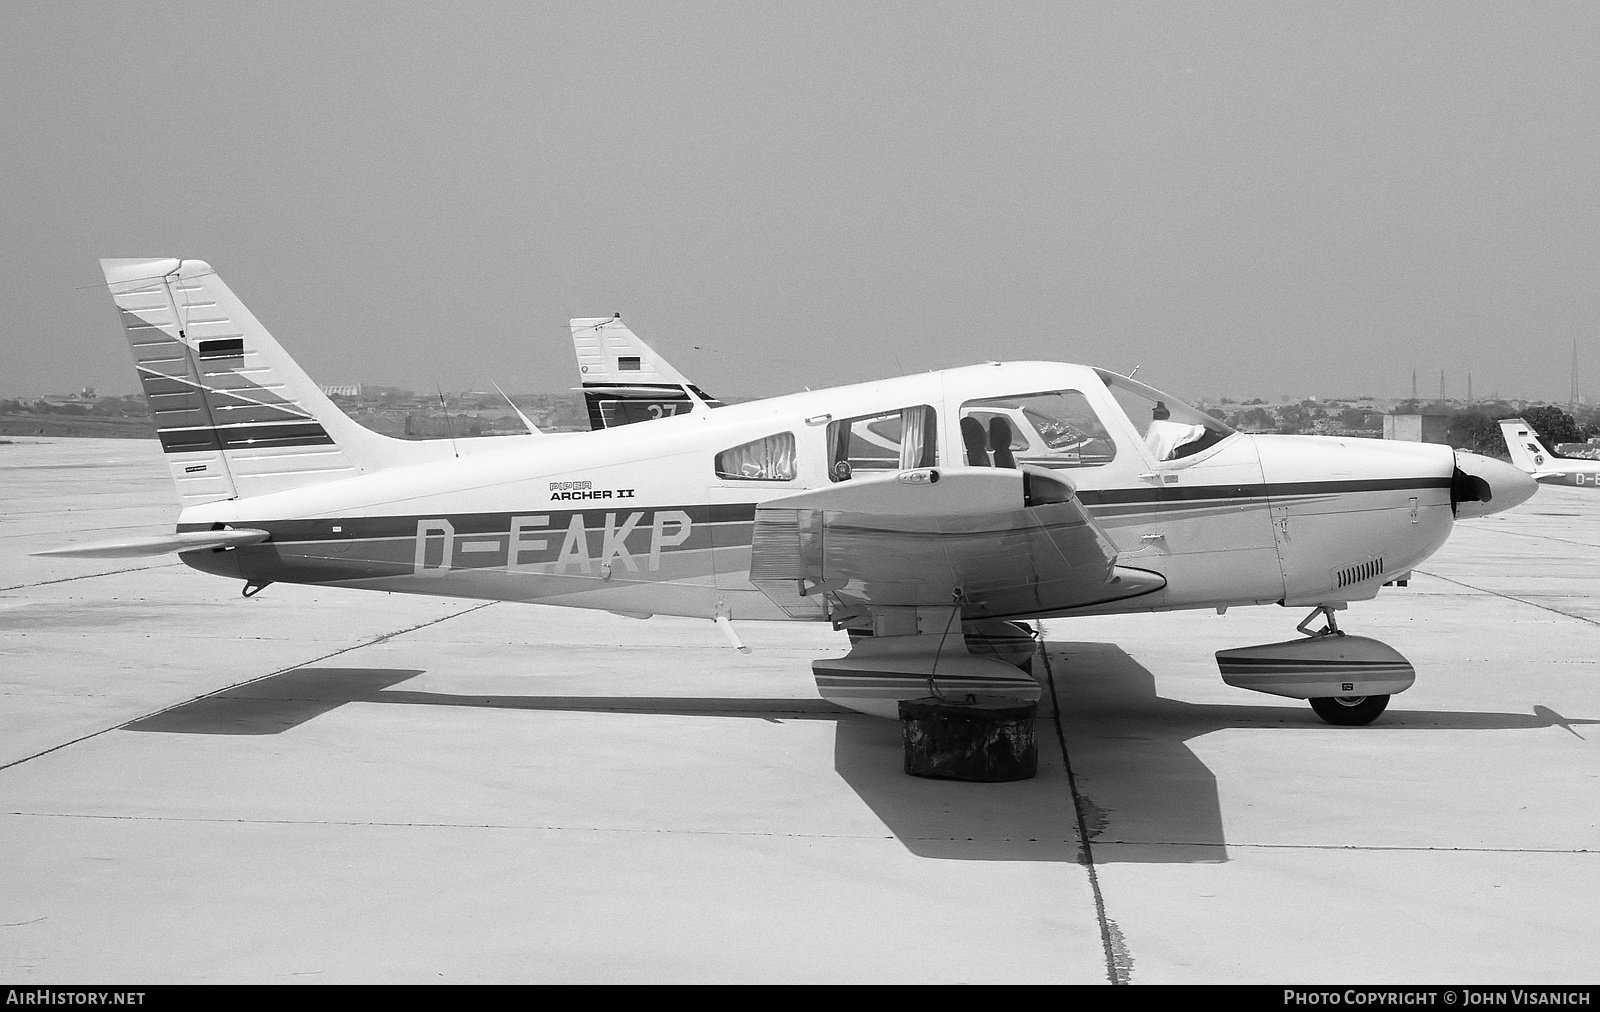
{"x": 767, "y": 459}
{"x": 1055, "y": 428}
{"x": 891, "y": 441}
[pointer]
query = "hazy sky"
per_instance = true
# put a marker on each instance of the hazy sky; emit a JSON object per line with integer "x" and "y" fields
{"x": 1245, "y": 199}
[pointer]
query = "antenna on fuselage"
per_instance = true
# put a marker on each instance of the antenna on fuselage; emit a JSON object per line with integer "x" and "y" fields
{"x": 533, "y": 429}
{"x": 1136, "y": 369}
{"x": 696, "y": 402}
{"x": 448, "y": 428}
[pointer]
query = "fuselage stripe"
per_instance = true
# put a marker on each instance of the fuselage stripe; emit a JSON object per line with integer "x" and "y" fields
{"x": 1264, "y": 490}
{"x": 735, "y": 514}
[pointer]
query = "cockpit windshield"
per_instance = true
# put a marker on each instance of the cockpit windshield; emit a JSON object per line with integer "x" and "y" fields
{"x": 1170, "y": 428}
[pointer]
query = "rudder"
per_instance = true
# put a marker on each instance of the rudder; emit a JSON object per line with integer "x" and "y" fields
{"x": 236, "y": 416}
{"x": 1527, "y": 452}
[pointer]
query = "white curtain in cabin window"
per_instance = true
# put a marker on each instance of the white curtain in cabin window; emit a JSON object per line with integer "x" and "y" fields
{"x": 917, "y": 439}
{"x": 911, "y": 429}
{"x": 769, "y": 459}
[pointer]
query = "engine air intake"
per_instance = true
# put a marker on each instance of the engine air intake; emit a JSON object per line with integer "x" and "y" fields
{"x": 1365, "y": 571}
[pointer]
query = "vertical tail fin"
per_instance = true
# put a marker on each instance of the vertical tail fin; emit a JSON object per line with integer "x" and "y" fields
{"x": 1527, "y": 452}
{"x": 625, "y": 380}
{"x": 236, "y": 416}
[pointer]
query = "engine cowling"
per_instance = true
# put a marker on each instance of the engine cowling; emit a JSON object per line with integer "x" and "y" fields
{"x": 1482, "y": 485}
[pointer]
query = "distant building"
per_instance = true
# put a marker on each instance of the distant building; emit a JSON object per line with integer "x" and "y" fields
{"x": 1427, "y": 427}
{"x": 351, "y": 390}
{"x": 423, "y": 427}
{"x": 1583, "y": 451}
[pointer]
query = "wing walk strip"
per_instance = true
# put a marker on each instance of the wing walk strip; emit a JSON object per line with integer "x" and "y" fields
{"x": 253, "y": 679}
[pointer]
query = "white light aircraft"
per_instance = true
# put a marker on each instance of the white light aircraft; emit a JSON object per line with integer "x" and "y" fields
{"x": 907, "y": 511}
{"x": 625, "y": 380}
{"x": 610, "y": 356}
{"x": 1529, "y": 454}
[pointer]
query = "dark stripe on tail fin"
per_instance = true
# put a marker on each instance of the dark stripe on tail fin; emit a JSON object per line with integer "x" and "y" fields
{"x": 244, "y": 437}
{"x": 236, "y": 415}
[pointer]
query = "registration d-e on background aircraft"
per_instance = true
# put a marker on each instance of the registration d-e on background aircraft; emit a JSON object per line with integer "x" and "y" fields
{"x": 1528, "y": 453}
{"x": 928, "y": 515}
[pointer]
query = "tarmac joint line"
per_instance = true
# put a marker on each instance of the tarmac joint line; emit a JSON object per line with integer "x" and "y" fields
{"x": 1369, "y": 848}
{"x": 1119, "y": 962}
{"x": 382, "y": 638}
{"x": 530, "y": 827}
{"x": 91, "y": 576}
{"x": 1509, "y": 597}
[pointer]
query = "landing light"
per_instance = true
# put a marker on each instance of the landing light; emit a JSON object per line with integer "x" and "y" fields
{"x": 921, "y": 476}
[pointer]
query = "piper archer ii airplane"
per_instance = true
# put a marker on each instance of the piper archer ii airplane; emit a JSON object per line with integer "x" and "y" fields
{"x": 1123, "y": 499}
{"x": 1529, "y": 454}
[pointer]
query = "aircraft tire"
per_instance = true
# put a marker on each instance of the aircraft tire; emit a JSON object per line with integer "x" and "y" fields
{"x": 1349, "y": 711}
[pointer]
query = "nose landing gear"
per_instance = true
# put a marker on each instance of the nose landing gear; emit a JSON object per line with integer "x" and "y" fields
{"x": 1347, "y": 679}
{"x": 1344, "y": 711}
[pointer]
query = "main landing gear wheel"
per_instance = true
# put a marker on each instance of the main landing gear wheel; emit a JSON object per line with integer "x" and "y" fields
{"x": 1349, "y": 711}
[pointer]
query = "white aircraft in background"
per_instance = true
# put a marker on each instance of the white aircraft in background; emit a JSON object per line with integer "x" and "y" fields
{"x": 624, "y": 380}
{"x": 615, "y": 363}
{"x": 1529, "y": 454}
{"x": 1119, "y": 498}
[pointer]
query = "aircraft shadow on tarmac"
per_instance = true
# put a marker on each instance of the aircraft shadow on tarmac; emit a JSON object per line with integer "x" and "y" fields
{"x": 1137, "y": 781}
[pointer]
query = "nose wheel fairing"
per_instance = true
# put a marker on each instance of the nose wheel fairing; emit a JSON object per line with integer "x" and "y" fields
{"x": 1325, "y": 666}
{"x": 1348, "y": 679}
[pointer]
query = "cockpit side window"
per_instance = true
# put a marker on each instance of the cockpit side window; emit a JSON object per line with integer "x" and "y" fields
{"x": 891, "y": 441}
{"x": 1055, "y": 428}
{"x": 1170, "y": 428}
{"x": 768, "y": 459}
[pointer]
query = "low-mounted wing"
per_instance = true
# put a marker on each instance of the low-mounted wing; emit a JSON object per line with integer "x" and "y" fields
{"x": 1012, "y": 542}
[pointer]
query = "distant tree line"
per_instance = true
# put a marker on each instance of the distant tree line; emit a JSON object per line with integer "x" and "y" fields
{"x": 1475, "y": 428}
{"x": 1478, "y": 430}
{"x": 129, "y": 406}
{"x": 1303, "y": 416}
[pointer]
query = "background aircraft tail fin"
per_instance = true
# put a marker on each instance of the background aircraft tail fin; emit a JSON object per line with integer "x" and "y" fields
{"x": 236, "y": 416}
{"x": 625, "y": 380}
{"x": 1527, "y": 452}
